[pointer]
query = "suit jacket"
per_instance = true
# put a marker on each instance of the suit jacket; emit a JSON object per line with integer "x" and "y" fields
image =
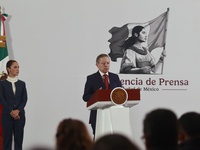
{"x": 11, "y": 101}
{"x": 190, "y": 144}
{"x": 95, "y": 82}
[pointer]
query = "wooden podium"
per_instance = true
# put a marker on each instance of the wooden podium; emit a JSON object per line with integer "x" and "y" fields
{"x": 113, "y": 110}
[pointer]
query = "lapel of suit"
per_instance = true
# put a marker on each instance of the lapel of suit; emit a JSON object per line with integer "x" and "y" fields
{"x": 10, "y": 89}
{"x": 100, "y": 80}
{"x": 110, "y": 79}
{"x": 16, "y": 87}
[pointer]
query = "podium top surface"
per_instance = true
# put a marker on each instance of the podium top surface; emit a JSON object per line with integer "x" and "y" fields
{"x": 104, "y": 96}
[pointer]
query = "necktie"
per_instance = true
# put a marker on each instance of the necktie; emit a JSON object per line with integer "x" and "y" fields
{"x": 106, "y": 81}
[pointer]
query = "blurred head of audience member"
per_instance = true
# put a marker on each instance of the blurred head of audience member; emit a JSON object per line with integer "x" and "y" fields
{"x": 114, "y": 142}
{"x": 73, "y": 135}
{"x": 40, "y": 148}
{"x": 189, "y": 131}
{"x": 160, "y": 129}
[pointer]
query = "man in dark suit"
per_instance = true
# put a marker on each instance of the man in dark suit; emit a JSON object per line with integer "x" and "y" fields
{"x": 95, "y": 82}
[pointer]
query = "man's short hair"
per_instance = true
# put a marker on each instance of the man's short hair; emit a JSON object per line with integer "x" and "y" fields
{"x": 101, "y": 56}
{"x": 190, "y": 124}
{"x": 160, "y": 128}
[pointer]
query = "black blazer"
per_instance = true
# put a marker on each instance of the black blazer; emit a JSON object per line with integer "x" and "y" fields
{"x": 95, "y": 82}
{"x": 11, "y": 101}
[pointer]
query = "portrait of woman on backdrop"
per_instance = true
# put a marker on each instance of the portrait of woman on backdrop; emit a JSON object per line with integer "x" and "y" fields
{"x": 137, "y": 59}
{"x": 140, "y": 46}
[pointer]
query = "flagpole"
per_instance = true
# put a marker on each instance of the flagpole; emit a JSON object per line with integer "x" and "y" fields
{"x": 165, "y": 38}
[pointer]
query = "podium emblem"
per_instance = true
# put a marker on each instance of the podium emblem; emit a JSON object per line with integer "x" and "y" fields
{"x": 119, "y": 96}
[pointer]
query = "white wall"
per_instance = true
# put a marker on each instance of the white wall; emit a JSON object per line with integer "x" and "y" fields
{"x": 56, "y": 43}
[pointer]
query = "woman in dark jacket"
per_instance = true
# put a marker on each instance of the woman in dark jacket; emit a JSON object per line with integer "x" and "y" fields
{"x": 13, "y": 97}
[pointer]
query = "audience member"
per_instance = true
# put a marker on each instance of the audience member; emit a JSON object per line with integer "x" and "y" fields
{"x": 160, "y": 130}
{"x": 40, "y": 148}
{"x": 189, "y": 131}
{"x": 73, "y": 135}
{"x": 114, "y": 142}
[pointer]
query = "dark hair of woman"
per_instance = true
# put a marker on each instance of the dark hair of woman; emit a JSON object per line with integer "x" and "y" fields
{"x": 73, "y": 135}
{"x": 9, "y": 64}
{"x": 131, "y": 40}
{"x": 114, "y": 142}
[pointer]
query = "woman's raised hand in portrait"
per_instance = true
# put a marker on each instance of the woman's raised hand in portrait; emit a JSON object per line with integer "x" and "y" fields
{"x": 146, "y": 69}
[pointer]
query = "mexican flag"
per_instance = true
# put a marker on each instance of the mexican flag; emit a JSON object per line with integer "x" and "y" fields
{"x": 3, "y": 47}
{"x": 156, "y": 30}
{"x": 3, "y": 60}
